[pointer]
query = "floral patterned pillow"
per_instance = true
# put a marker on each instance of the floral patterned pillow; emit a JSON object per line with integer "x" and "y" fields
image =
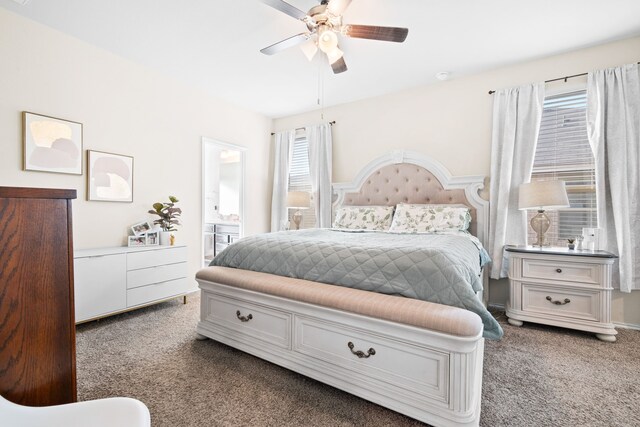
{"x": 375, "y": 218}
{"x": 430, "y": 218}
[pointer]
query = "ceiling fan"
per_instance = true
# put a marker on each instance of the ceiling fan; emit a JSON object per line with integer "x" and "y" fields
{"x": 324, "y": 23}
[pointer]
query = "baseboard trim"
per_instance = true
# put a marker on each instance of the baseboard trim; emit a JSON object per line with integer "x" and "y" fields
{"x": 627, "y": 325}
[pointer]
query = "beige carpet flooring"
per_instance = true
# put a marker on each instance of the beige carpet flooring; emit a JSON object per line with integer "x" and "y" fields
{"x": 534, "y": 376}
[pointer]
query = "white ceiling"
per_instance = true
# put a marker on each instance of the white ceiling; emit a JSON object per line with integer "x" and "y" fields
{"x": 214, "y": 44}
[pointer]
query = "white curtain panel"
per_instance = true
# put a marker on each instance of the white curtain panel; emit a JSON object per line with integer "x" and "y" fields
{"x": 320, "y": 165}
{"x": 613, "y": 97}
{"x": 282, "y": 162}
{"x": 516, "y": 123}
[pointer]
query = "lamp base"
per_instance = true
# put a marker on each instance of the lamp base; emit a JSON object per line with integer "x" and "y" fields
{"x": 540, "y": 224}
{"x": 297, "y": 219}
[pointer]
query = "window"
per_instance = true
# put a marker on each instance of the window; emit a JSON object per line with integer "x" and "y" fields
{"x": 563, "y": 152}
{"x": 300, "y": 178}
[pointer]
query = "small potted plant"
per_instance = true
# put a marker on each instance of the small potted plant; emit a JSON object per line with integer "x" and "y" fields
{"x": 571, "y": 243}
{"x": 169, "y": 219}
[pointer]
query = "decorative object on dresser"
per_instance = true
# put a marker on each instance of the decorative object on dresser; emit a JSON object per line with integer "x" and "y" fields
{"x": 51, "y": 144}
{"x": 114, "y": 280}
{"x": 37, "y": 333}
{"x": 542, "y": 195}
{"x": 561, "y": 287}
{"x": 110, "y": 177}
{"x": 298, "y": 200}
{"x": 169, "y": 219}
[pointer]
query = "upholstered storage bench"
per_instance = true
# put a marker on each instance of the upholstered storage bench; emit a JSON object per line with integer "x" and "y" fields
{"x": 418, "y": 358}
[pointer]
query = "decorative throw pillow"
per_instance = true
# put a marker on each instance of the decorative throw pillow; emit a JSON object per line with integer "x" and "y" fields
{"x": 374, "y": 218}
{"x": 430, "y": 218}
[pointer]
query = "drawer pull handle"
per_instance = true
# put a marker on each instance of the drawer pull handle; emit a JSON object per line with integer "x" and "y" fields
{"x": 359, "y": 353}
{"x": 566, "y": 301}
{"x": 558, "y": 270}
{"x": 243, "y": 318}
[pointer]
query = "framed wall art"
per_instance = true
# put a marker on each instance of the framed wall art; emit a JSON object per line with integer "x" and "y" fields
{"x": 109, "y": 177}
{"x": 51, "y": 144}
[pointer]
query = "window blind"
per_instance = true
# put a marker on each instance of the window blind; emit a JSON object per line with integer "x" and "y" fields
{"x": 300, "y": 178}
{"x": 563, "y": 152}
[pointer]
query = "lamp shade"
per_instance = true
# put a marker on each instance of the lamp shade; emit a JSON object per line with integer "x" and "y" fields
{"x": 298, "y": 199}
{"x": 543, "y": 195}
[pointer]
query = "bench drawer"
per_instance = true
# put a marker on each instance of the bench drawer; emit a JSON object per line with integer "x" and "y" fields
{"x": 243, "y": 317}
{"x": 566, "y": 302}
{"x": 416, "y": 369}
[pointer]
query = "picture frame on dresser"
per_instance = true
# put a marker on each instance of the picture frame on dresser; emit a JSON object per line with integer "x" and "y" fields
{"x": 153, "y": 238}
{"x": 141, "y": 228}
{"x": 134, "y": 241}
{"x": 561, "y": 287}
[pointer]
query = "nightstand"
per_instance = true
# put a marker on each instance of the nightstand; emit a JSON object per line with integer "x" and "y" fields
{"x": 561, "y": 287}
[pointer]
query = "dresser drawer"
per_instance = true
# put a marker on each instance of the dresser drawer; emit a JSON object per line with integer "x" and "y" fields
{"x": 243, "y": 317}
{"x": 561, "y": 271}
{"x": 146, "y": 259}
{"x": 419, "y": 371}
{"x": 158, "y": 291}
{"x": 228, "y": 229}
{"x": 160, "y": 273}
{"x": 558, "y": 301}
{"x": 222, "y": 238}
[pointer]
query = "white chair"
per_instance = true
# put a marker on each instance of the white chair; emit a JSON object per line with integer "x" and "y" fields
{"x": 112, "y": 412}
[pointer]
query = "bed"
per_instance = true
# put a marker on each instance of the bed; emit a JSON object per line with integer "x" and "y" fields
{"x": 421, "y": 358}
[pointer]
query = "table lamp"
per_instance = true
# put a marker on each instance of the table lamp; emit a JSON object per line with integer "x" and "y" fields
{"x": 542, "y": 195}
{"x": 298, "y": 200}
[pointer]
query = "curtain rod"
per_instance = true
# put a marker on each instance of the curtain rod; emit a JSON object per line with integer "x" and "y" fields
{"x": 565, "y": 78}
{"x": 330, "y": 123}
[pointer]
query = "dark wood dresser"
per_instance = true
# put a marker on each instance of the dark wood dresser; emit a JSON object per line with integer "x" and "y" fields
{"x": 37, "y": 328}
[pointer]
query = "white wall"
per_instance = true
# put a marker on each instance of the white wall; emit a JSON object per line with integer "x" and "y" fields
{"x": 451, "y": 121}
{"x": 127, "y": 109}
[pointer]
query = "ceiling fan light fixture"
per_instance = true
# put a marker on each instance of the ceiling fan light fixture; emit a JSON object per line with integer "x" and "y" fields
{"x": 328, "y": 41}
{"x": 334, "y": 55}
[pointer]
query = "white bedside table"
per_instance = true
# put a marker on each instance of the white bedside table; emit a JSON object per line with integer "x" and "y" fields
{"x": 561, "y": 287}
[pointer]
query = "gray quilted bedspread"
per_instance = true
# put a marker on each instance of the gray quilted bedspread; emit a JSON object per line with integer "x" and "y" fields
{"x": 444, "y": 269}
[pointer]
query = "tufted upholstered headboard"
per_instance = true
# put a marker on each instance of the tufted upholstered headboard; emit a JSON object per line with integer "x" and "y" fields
{"x": 410, "y": 177}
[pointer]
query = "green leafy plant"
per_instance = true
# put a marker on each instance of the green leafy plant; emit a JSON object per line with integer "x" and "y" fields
{"x": 168, "y": 213}
{"x": 571, "y": 241}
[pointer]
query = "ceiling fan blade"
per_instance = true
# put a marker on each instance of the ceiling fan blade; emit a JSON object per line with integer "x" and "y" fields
{"x": 339, "y": 66}
{"x": 285, "y": 7}
{"x": 337, "y": 7}
{"x": 388, "y": 34}
{"x": 286, "y": 43}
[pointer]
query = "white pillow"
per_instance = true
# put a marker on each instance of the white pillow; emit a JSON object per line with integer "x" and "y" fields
{"x": 430, "y": 218}
{"x": 376, "y": 218}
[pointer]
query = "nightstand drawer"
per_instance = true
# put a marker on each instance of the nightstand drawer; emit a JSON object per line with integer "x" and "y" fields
{"x": 561, "y": 271}
{"x": 558, "y": 301}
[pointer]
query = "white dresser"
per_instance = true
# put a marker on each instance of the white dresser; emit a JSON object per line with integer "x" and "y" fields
{"x": 561, "y": 287}
{"x": 113, "y": 280}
